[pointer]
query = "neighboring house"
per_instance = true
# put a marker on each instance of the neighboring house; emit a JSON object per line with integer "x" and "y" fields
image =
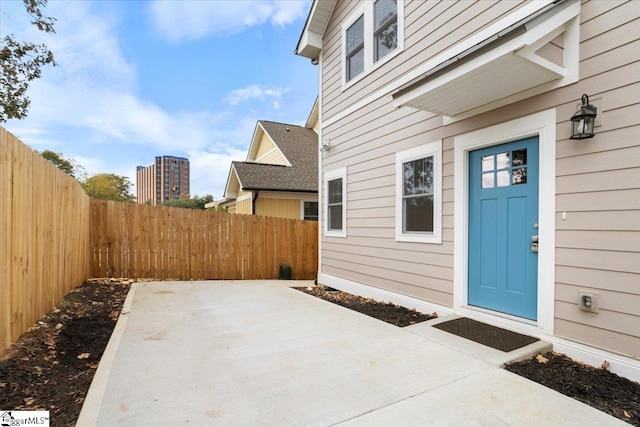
{"x": 280, "y": 176}
{"x": 222, "y": 204}
{"x": 451, "y": 182}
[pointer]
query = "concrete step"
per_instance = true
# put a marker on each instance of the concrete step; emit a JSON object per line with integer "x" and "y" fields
{"x": 472, "y": 348}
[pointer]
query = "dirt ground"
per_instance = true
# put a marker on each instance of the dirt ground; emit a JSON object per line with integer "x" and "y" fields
{"x": 387, "y": 312}
{"x": 51, "y": 366}
{"x": 599, "y": 388}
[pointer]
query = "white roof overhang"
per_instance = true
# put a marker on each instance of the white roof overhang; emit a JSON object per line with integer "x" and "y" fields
{"x": 310, "y": 43}
{"x": 233, "y": 184}
{"x": 500, "y": 70}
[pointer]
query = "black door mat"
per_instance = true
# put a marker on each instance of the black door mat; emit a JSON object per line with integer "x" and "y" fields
{"x": 488, "y": 335}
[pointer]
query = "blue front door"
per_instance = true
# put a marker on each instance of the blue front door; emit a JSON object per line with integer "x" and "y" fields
{"x": 503, "y": 217}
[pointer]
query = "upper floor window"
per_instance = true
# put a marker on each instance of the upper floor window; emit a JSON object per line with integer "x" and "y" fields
{"x": 371, "y": 35}
{"x": 355, "y": 48}
{"x": 385, "y": 27}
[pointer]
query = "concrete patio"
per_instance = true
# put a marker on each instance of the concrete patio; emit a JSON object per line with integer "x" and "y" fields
{"x": 248, "y": 353}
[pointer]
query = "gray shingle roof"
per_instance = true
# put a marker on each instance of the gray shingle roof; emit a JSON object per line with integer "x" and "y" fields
{"x": 300, "y": 146}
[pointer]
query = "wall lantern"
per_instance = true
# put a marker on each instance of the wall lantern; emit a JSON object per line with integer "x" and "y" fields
{"x": 583, "y": 121}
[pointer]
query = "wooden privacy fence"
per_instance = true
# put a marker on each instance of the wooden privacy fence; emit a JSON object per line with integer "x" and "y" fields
{"x": 44, "y": 237}
{"x": 53, "y": 237}
{"x": 134, "y": 240}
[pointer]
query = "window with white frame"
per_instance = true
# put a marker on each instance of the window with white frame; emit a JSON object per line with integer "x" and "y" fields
{"x": 310, "y": 211}
{"x": 336, "y": 207}
{"x": 385, "y": 27}
{"x": 419, "y": 194}
{"x": 355, "y": 48}
{"x": 371, "y": 35}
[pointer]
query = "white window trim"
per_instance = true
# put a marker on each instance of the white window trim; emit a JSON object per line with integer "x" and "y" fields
{"x": 366, "y": 9}
{"x": 427, "y": 150}
{"x": 330, "y": 176}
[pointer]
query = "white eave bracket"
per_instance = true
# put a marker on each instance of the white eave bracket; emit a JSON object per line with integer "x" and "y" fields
{"x": 504, "y": 69}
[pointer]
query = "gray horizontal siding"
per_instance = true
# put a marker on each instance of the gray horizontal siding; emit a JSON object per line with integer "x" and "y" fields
{"x": 598, "y": 243}
{"x": 428, "y": 32}
{"x": 597, "y": 180}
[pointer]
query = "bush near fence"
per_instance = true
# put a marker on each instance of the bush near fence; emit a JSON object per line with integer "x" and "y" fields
{"x": 53, "y": 237}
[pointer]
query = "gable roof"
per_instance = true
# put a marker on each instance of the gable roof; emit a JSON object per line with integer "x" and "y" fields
{"x": 299, "y": 145}
{"x": 256, "y": 143}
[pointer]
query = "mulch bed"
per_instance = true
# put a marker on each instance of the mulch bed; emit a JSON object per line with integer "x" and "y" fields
{"x": 52, "y": 365}
{"x": 385, "y": 311}
{"x": 599, "y": 388}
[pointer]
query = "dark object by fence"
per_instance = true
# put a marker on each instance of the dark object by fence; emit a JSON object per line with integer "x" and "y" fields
{"x": 285, "y": 272}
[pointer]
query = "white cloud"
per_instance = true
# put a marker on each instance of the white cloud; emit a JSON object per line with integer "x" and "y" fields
{"x": 93, "y": 89}
{"x": 94, "y": 165}
{"x": 130, "y": 119}
{"x": 258, "y": 92}
{"x": 193, "y": 19}
{"x": 87, "y": 108}
{"x": 209, "y": 170}
{"x": 87, "y": 48}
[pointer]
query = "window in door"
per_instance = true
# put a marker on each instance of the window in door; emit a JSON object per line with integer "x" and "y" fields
{"x": 504, "y": 169}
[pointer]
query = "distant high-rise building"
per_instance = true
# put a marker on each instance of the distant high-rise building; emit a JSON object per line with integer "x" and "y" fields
{"x": 166, "y": 179}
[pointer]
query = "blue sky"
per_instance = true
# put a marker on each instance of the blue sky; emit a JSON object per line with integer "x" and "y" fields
{"x": 138, "y": 79}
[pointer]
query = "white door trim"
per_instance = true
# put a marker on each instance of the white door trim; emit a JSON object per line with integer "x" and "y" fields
{"x": 542, "y": 124}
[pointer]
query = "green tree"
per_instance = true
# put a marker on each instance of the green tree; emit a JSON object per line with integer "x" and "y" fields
{"x": 188, "y": 202}
{"x": 21, "y": 63}
{"x": 68, "y": 166}
{"x": 203, "y": 200}
{"x": 108, "y": 186}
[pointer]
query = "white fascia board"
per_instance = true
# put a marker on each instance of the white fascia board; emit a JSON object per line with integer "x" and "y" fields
{"x": 310, "y": 42}
{"x": 255, "y": 140}
{"x": 228, "y": 193}
{"x": 310, "y": 45}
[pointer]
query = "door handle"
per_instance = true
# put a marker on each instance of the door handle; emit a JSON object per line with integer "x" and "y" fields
{"x": 534, "y": 243}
